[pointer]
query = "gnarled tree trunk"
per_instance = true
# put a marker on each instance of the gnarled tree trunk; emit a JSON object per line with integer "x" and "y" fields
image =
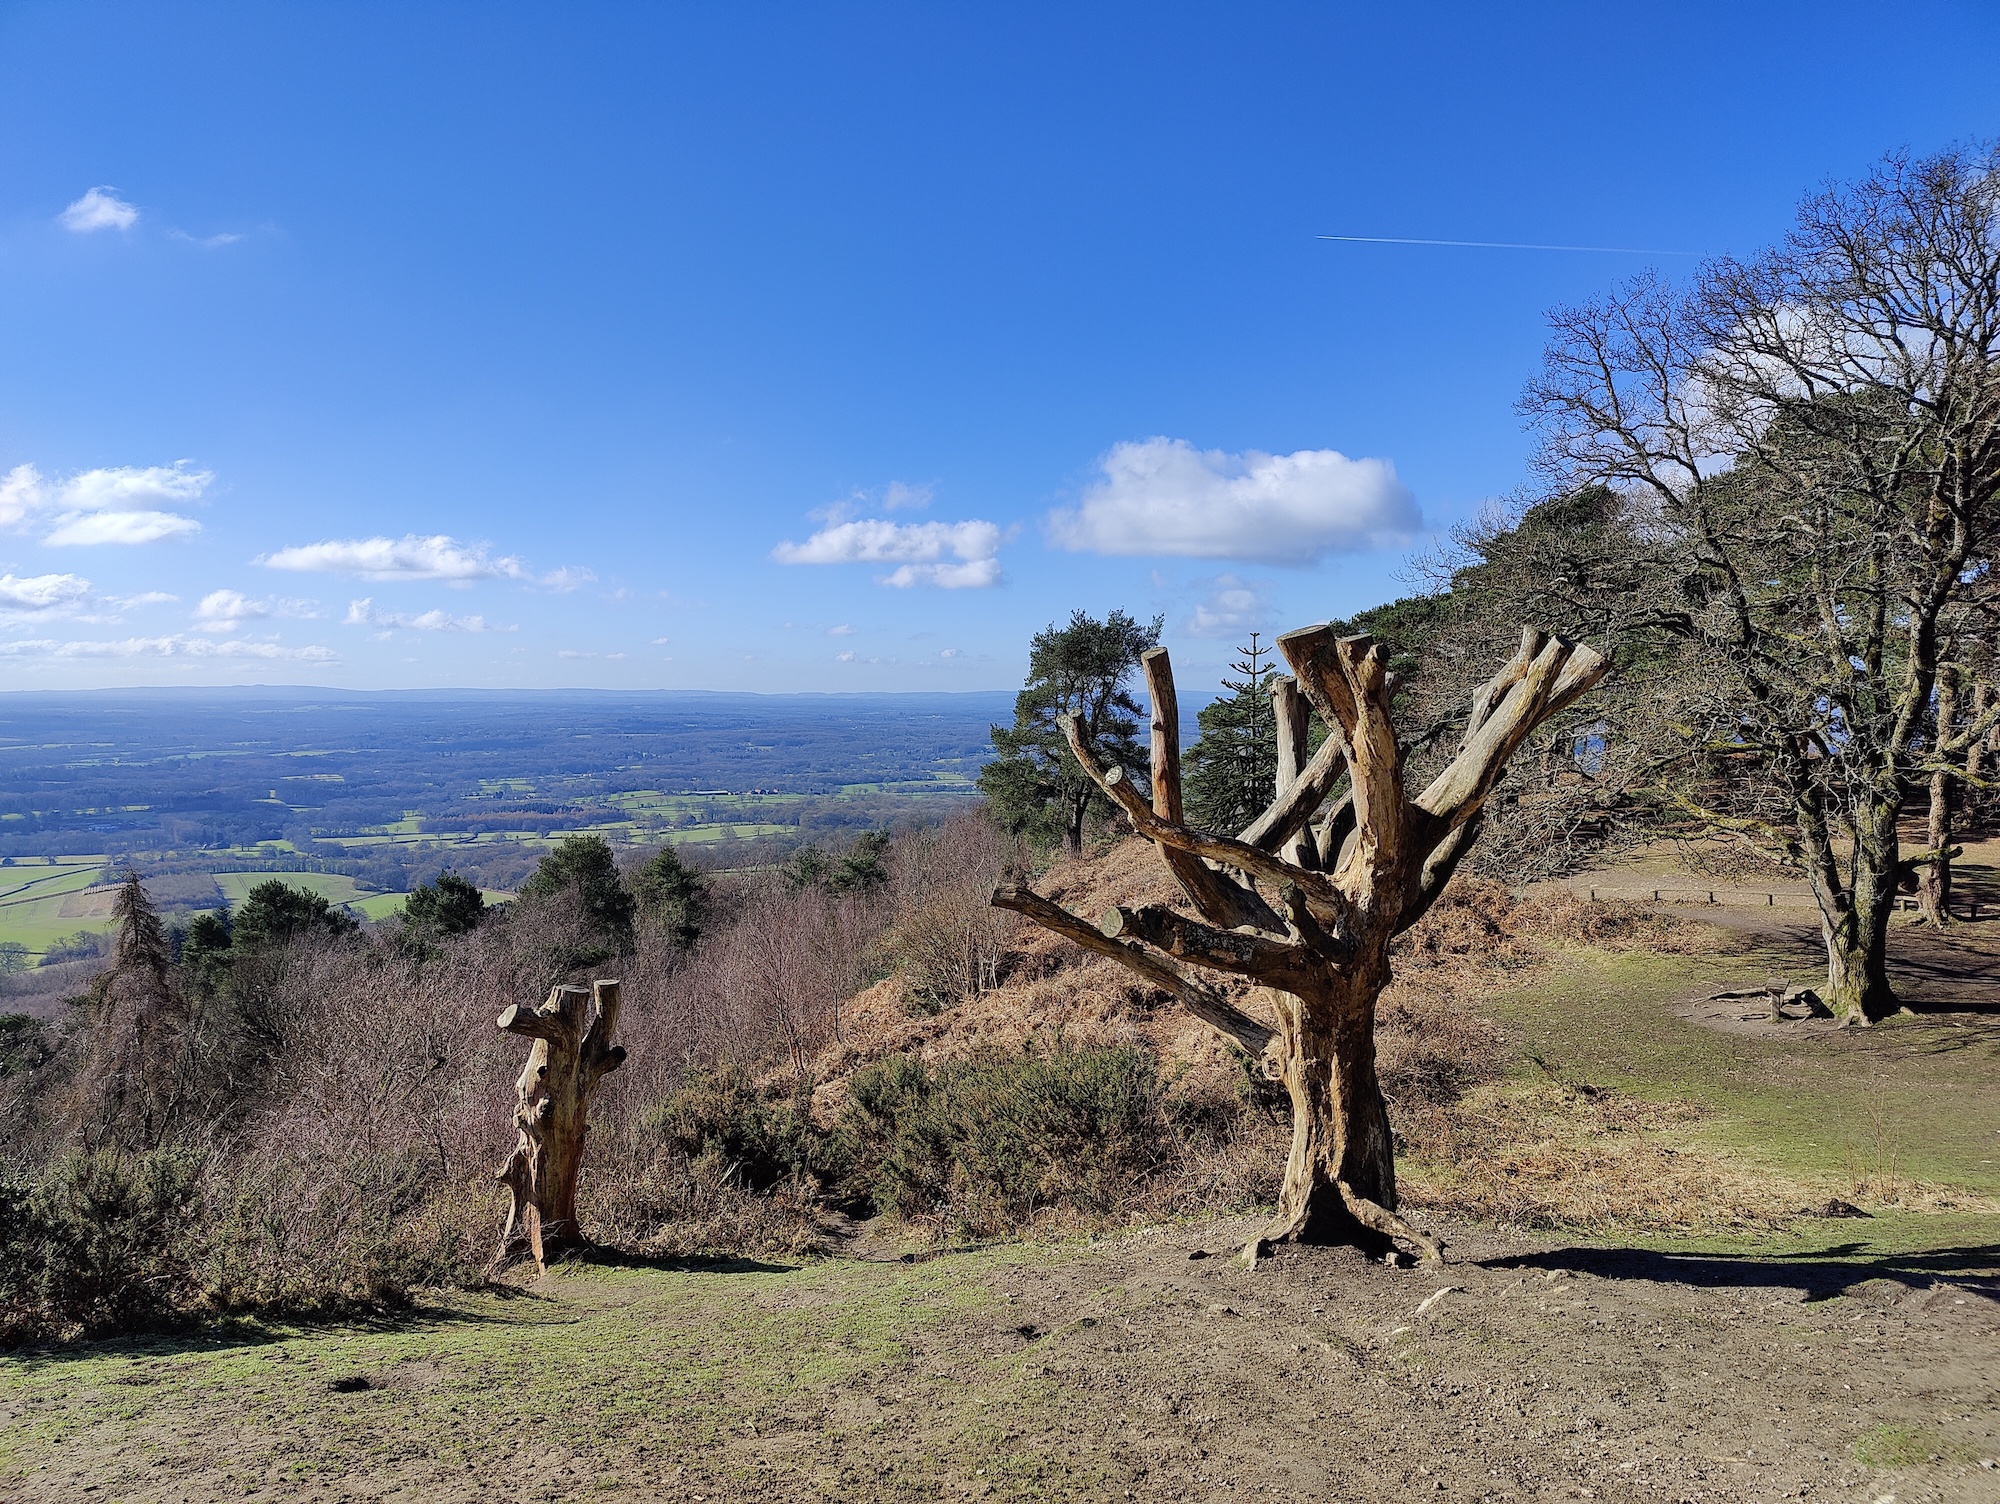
{"x": 571, "y": 1054}
{"x": 1309, "y": 911}
{"x": 1934, "y": 879}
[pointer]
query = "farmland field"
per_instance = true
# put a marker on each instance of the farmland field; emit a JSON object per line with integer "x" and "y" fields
{"x": 359, "y": 796}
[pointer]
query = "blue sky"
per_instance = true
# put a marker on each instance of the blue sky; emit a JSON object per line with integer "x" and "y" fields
{"x": 827, "y": 347}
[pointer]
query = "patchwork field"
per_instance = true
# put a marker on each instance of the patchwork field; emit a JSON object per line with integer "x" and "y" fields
{"x": 42, "y": 900}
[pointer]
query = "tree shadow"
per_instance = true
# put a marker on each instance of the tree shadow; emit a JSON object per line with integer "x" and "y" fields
{"x": 231, "y": 1333}
{"x": 1818, "y": 1274}
{"x": 668, "y": 1263}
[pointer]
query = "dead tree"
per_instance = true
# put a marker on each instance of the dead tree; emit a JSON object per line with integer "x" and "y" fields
{"x": 572, "y": 1053}
{"x": 1306, "y": 908}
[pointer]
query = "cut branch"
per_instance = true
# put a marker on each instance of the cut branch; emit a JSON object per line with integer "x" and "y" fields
{"x": 1272, "y": 962}
{"x": 1289, "y": 714}
{"x": 1216, "y": 894}
{"x": 1293, "y": 809}
{"x": 1231, "y": 853}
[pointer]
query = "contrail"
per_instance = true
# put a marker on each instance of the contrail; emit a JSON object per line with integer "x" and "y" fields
{"x": 1506, "y": 245}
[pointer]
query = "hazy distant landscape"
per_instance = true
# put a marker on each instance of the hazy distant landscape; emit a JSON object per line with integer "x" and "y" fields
{"x": 201, "y": 790}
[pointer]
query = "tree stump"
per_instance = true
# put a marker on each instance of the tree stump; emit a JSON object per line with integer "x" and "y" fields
{"x": 571, "y": 1054}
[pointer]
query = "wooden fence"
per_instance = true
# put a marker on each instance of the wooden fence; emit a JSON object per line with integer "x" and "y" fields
{"x": 1748, "y": 898}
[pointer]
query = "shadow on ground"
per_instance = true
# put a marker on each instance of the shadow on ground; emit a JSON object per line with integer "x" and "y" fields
{"x": 1819, "y": 1274}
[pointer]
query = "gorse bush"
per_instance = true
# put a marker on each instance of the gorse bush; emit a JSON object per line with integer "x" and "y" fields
{"x": 990, "y": 1141}
{"x": 102, "y": 1242}
{"x": 302, "y": 1235}
{"x": 109, "y": 1241}
{"x": 719, "y": 1122}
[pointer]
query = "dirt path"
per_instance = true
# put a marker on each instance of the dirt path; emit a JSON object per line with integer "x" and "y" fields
{"x": 1132, "y": 1368}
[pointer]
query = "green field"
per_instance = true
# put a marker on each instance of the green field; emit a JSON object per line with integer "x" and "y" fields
{"x": 331, "y": 886}
{"x": 42, "y": 902}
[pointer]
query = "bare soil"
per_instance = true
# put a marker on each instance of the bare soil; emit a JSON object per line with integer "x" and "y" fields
{"x": 1148, "y": 1367}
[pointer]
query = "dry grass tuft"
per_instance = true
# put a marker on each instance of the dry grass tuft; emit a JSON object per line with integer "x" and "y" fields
{"x": 1556, "y": 1156}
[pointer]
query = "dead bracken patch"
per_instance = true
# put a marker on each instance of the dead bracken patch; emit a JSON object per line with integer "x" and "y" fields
{"x": 1555, "y": 1156}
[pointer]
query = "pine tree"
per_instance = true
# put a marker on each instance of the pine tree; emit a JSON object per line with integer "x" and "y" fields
{"x": 1232, "y": 768}
{"x": 1035, "y": 786}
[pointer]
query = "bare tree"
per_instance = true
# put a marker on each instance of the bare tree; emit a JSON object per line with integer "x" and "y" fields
{"x": 1810, "y": 442}
{"x": 1312, "y": 927}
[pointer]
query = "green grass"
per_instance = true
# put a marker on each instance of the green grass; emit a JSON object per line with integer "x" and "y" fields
{"x": 629, "y": 1374}
{"x": 1907, "y": 1446}
{"x": 1912, "y": 1098}
{"x": 331, "y": 886}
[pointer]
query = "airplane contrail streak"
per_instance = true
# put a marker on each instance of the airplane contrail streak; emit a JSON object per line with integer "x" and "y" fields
{"x": 1506, "y": 245}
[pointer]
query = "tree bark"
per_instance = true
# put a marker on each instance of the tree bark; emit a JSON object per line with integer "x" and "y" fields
{"x": 572, "y": 1053}
{"x": 1854, "y": 917}
{"x": 1934, "y": 879}
{"x": 1317, "y": 941}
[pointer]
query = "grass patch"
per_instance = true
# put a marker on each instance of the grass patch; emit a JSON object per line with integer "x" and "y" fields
{"x": 637, "y": 1372}
{"x": 1907, "y": 1446}
{"x": 331, "y": 886}
{"x": 1909, "y": 1102}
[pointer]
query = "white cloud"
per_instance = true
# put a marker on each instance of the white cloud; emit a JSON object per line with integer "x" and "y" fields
{"x": 569, "y": 578}
{"x": 90, "y": 528}
{"x": 1164, "y": 496}
{"x": 143, "y": 598}
{"x": 212, "y": 242}
{"x": 574, "y": 653}
{"x": 164, "y": 647}
{"x": 1232, "y": 606}
{"x": 899, "y": 496}
{"x": 410, "y": 557}
{"x": 918, "y": 547}
{"x": 843, "y": 630}
{"x": 119, "y": 504}
{"x": 99, "y": 209}
{"x": 846, "y": 657}
{"x": 42, "y": 595}
{"x": 362, "y": 613}
{"x": 975, "y": 574}
{"x": 226, "y": 610}
{"x": 948, "y": 652}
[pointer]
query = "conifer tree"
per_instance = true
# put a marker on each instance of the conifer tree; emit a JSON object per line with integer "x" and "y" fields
{"x": 1035, "y": 786}
{"x": 1231, "y": 767}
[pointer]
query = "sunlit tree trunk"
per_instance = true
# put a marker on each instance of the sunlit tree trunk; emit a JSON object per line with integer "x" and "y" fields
{"x": 572, "y": 1053}
{"x": 1318, "y": 941}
